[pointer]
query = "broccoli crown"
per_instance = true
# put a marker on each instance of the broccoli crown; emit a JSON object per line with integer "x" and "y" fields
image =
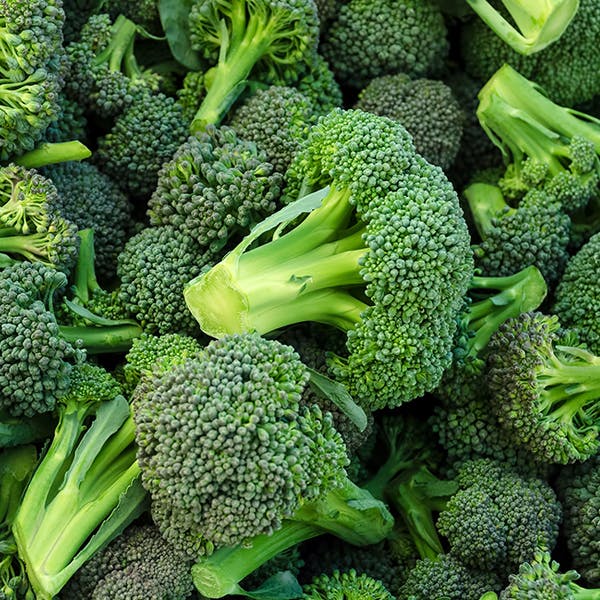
{"x": 142, "y": 12}
{"x": 35, "y": 361}
{"x": 137, "y": 564}
{"x": 275, "y": 119}
{"x": 564, "y": 69}
{"x": 579, "y": 490}
{"x": 326, "y": 10}
{"x": 70, "y": 124}
{"x": 318, "y": 84}
{"x": 216, "y": 185}
{"x": 223, "y": 435}
{"x": 370, "y": 39}
{"x": 542, "y": 392}
{"x": 446, "y": 577}
{"x": 426, "y": 107}
{"x": 90, "y": 384}
{"x": 348, "y": 585}
{"x": 577, "y": 298}
{"x": 92, "y": 200}
{"x": 144, "y": 136}
{"x": 191, "y": 93}
{"x": 498, "y": 517}
{"x": 153, "y": 268}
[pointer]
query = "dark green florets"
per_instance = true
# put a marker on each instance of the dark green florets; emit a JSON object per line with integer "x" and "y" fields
{"x": 426, "y": 107}
{"x": 369, "y": 39}
{"x": 217, "y": 436}
{"x": 577, "y": 299}
{"x": 318, "y": 84}
{"x": 348, "y": 585}
{"x": 35, "y": 362}
{"x": 215, "y": 187}
{"x": 92, "y": 200}
{"x": 142, "y": 12}
{"x": 275, "y": 119}
{"x": 70, "y": 123}
{"x": 153, "y": 268}
{"x": 190, "y": 95}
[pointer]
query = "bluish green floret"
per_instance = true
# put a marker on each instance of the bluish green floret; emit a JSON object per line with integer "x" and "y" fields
{"x": 70, "y": 123}
{"x": 370, "y": 39}
{"x": 215, "y": 188}
{"x": 544, "y": 393}
{"x": 263, "y": 40}
{"x": 577, "y": 298}
{"x": 318, "y": 84}
{"x": 383, "y": 255}
{"x": 347, "y": 585}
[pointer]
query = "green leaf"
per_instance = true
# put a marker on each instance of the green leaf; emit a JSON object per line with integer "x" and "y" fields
{"x": 95, "y": 319}
{"x": 174, "y": 19}
{"x": 281, "y": 586}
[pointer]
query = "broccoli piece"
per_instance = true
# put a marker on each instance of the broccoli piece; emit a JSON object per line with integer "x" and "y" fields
{"x": 137, "y": 564}
{"x": 31, "y": 226}
{"x": 146, "y": 135}
{"x": 86, "y": 483}
{"x": 426, "y": 107}
{"x": 153, "y": 268}
{"x": 264, "y": 40}
{"x": 577, "y": 298}
{"x": 349, "y": 585}
{"x": 215, "y": 187}
{"x": 326, "y": 10}
{"x": 566, "y": 69}
{"x": 32, "y": 60}
{"x": 318, "y": 84}
{"x": 535, "y": 233}
{"x": 142, "y": 12}
{"x": 289, "y": 560}
{"x": 70, "y": 124}
{"x": 544, "y": 393}
{"x": 275, "y": 119}
{"x": 578, "y": 488}
{"x": 92, "y": 200}
{"x": 77, "y": 13}
{"x": 370, "y": 39}
{"x": 191, "y": 93}
{"x": 383, "y": 255}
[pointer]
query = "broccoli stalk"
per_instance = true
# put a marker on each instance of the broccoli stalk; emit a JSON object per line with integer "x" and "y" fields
{"x": 54, "y": 153}
{"x": 538, "y": 22}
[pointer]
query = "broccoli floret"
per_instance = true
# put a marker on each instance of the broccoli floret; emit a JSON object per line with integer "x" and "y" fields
{"x": 191, "y": 93}
{"x": 260, "y": 40}
{"x": 137, "y": 564}
{"x": 544, "y": 393}
{"x": 318, "y": 84}
{"x": 146, "y": 135}
{"x": 579, "y": 490}
{"x": 326, "y": 10}
{"x": 92, "y": 200}
{"x": 153, "y": 268}
{"x": 577, "y": 298}
{"x": 86, "y": 488}
{"x": 70, "y": 124}
{"x": 275, "y": 119}
{"x": 215, "y": 187}
{"x": 349, "y": 585}
{"x": 142, "y": 12}
{"x": 369, "y": 39}
{"x": 383, "y": 255}
{"x": 534, "y": 233}
{"x": 426, "y": 107}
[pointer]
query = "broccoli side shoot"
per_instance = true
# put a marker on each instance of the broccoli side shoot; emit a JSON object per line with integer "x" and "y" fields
{"x": 349, "y": 584}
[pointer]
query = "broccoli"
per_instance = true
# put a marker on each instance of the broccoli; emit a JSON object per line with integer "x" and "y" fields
{"x": 70, "y": 124}
{"x": 289, "y": 560}
{"x": 215, "y": 187}
{"x": 318, "y": 84}
{"x": 326, "y": 10}
{"x": 92, "y": 200}
{"x": 544, "y": 393}
{"x": 269, "y": 41}
{"x": 137, "y": 564}
{"x": 383, "y": 255}
{"x": 142, "y": 12}
{"x": 426, "y": 107}
{"x": 275, "y": 119}
{"x": 153, "y": 268}
{"x": 578, "y": 488}
{"x": 577, "y": 298}
{"x": 86, "y": 483}
{"x": 534, "y": 233}
{"x": 144, "y": 136}
{"x": 369, "y": 39}
{"x": 348, "y": 585}
{"x": 190, "y": 93}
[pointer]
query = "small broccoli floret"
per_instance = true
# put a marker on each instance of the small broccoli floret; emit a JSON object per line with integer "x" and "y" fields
{"x": 535, "y": 233}
{"x": 142, "y": 12}
{"x": 384, "y": 242}
{"x": 144, "y": 136}
{"x": 153, "y": 268}
{"x": 138, "y": 564}
{"x": 349, "y": 585}
{"x": 544, "y": 393}
{"x": 426, "y": 107}
{"x": 326, "y": 10}
{"x": 275, "y": 119}
{"x": 318, "y": 84}
{"x": 191, "y": 93}
{"x": 215, "y": 187}
{"x": 259, "y": 40}
{"x": 577, "y": 298}
{"x": 70, "y": 124}
{"x": 579, "y": 490}
{"x": 370, "y": 39}
{"x": 92, "y": 200}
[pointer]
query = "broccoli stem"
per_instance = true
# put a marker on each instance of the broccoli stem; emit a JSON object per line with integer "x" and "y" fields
{"x": 486, "y": 203}
{"x": 85, "y": 282}
{"x": 580, "y": 593}
{"x": 51, "y": 154}
{"x": 123, "y": 33}
{"x": 102, "y": 340}
{"x": 32, "y": 246}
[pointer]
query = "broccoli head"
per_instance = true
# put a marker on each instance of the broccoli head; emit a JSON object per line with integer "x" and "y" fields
{"x": 70, "y": 124}
{"x": 318, "y": 84}
{"x": 348, "y": 585}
